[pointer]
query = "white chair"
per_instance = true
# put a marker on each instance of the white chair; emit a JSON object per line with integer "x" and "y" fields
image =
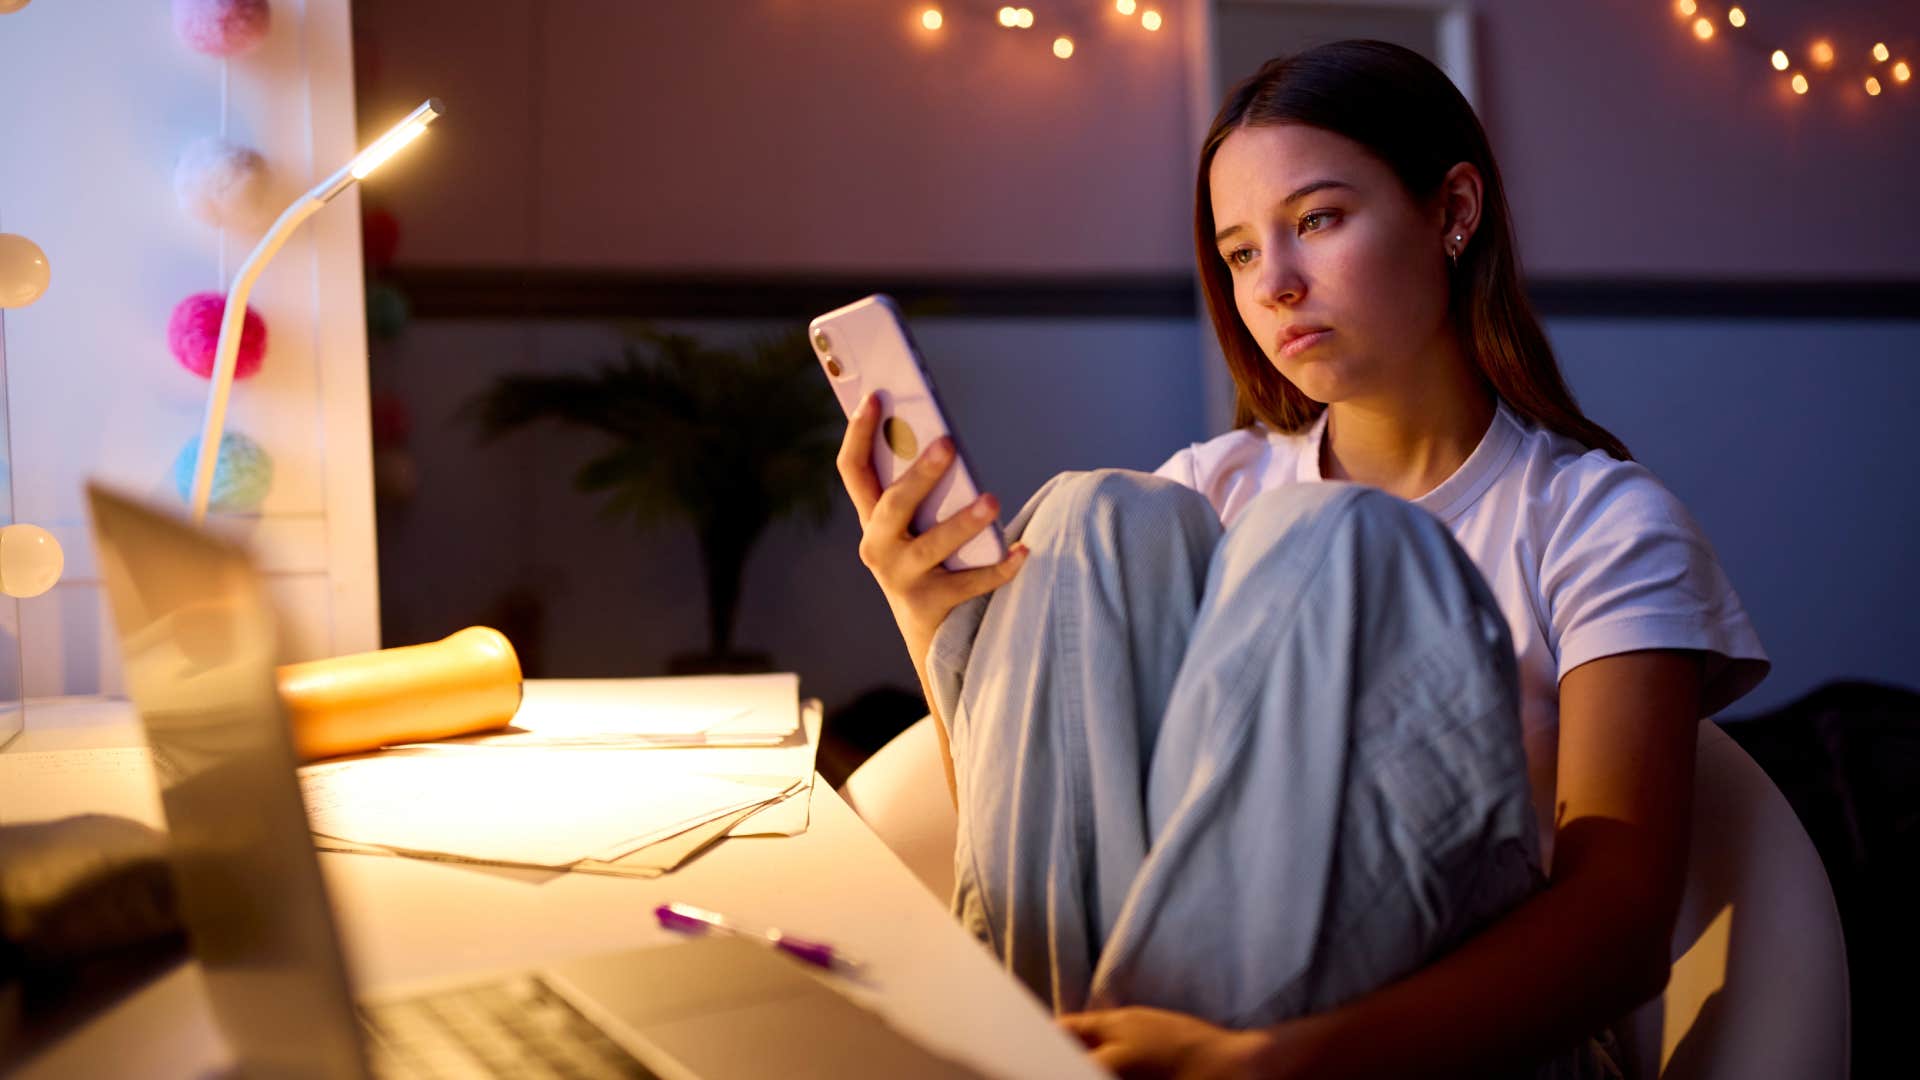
{"x": 1759, "y": 982}
{"x": 901, "y": 793}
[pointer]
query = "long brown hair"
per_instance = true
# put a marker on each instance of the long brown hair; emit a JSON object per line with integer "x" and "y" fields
{"x": 1407, "y": 113}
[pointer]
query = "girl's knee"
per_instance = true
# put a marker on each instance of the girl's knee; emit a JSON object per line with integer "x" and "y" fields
{"x": 1110, "y": 501}
{"x": 1346, "y": 507}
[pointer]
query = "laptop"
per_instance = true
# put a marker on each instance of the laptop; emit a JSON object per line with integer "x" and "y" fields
{"x": 199, "y": 643}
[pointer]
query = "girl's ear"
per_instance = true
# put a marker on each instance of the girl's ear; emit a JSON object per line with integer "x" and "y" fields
{"x": 1460, "y": 195}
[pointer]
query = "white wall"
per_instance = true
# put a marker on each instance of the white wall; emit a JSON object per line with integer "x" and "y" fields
{"x": 100, "y": 99}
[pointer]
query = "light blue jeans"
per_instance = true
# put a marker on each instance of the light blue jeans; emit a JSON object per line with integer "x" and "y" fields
{"x": 1245, "y": 775}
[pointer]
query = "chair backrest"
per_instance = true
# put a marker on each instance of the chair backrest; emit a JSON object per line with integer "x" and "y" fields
{"x": 1759, "y": 982}
{"x": 901, "y": 793}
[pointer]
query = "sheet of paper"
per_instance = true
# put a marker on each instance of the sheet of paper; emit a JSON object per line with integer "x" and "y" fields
{"x": 651, "y": 861}
{"x": 664, "y": 855}
{"x": 48, "y": 784}
{"x": 709, "y": 706}
{"x": 789, "y": 816}
{"x": 534, "y": 808}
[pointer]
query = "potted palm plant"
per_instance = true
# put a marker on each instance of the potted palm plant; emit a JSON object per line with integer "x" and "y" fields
{"x": 727, "y": 440}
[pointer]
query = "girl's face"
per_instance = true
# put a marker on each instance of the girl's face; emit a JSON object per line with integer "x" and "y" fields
{"x": 1337, "y": 273}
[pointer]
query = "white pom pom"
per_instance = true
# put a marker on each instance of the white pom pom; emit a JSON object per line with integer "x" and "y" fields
{"x": 221, "y": 183}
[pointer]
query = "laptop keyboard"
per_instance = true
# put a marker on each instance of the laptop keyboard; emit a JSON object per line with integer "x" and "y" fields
{"x": 514, "y": 1028}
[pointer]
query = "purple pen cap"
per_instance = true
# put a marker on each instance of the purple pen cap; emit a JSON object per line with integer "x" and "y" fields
{"x": 811, "y": 951}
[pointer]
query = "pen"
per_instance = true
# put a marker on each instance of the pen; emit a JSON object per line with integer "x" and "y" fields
{"x": 689, "y": 919}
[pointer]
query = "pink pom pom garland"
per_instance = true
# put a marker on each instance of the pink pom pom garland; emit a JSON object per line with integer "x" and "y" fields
{"x": 194, "y": 331}
{"x": 220, "y": 182}
{"x": 221, "y": 27}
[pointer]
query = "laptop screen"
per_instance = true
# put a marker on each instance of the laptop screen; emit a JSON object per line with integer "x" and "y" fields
{"x": 198, "y": 640}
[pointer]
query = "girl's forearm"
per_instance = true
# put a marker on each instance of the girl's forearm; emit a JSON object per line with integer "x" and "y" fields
{"x": 918, "y": 643}
{"x": 1561, "y": 967}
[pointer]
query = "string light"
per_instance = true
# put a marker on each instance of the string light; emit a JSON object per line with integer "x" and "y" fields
{"x": 1822, "y": 56}
{"x": 1009, "y": 16}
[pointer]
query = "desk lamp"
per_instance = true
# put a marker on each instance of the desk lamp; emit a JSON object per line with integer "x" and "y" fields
{"x": 227, "y": 348}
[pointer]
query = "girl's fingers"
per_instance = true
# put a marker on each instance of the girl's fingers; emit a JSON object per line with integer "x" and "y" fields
{"x": 893, "y": 512}
{"x": 855, "y": 460}
{"x": 963, "y": 585}
{"x": 937, "y": 544}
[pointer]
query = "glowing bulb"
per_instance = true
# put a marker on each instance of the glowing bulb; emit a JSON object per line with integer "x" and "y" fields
{"x": 1779, "y": 59}
{"x": 1901, "y": 73}
{"x": 931, "y": 19}
{"x": 376, "y": 155}
{"x": 1799, "y": 83}
{"x": 1026, "y": 18}
{"x": 1873, "y": 86}
{"x": 1009, "y": 17}
{"x": 1822, "y": 52}
{"x": 1736, "y": 18}
{"x": 1702, "y": 28}
{"x": 1686, "y": 8}
{"x": 30, "y": 560}
{"x": 24, "y": 274}
{"x": 1150, "y": 19}
{"x": 1124, "y": 7}
{"x": 1063, "y": 47}
{"x": 1880, "y": 51}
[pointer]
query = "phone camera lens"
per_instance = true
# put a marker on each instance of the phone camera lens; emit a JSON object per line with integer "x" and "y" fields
{"x": 833, "y": 367}
{"x": 821, "y": 342}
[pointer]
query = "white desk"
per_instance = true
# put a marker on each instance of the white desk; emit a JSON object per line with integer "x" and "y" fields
{"x": 405, "y": 919}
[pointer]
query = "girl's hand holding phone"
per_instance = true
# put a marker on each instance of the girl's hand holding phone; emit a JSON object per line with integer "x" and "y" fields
{"x": 908, "y": 568}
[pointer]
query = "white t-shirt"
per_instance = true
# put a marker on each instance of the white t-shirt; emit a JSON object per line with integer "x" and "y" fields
{"x": 1587, "y": 555}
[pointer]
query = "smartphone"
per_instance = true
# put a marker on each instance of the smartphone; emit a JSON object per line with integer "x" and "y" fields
{"x": 864, "y": 347}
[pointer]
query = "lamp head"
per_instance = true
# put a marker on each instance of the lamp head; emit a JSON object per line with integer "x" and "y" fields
{"x": 396, "y": 137}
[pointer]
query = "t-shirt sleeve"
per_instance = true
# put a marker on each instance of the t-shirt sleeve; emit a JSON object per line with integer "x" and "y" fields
{"x": 1626, "y": 569}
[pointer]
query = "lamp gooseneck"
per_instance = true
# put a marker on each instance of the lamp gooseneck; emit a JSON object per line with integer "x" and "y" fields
{"x": 233, "y": 318}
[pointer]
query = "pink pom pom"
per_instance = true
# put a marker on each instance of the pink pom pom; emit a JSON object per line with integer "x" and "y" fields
{"x": 221, "y": 27}
{"x": 194, "y": 331}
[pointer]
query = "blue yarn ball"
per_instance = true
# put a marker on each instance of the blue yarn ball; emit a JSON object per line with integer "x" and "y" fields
{"x": 241, "y": 476}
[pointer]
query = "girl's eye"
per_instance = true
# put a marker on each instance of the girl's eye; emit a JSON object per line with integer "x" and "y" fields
{"x": 1317, "y": 220}
{"x": 1239, "y": 257}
